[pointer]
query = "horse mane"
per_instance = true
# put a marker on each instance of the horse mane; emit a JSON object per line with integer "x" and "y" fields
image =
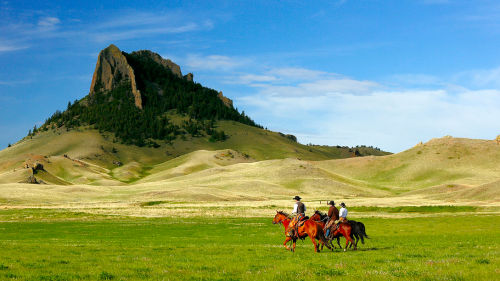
{"x": 285, "y": 214}
{"x": 321, "y": 214}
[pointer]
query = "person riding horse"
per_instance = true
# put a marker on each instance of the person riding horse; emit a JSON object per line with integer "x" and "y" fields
{"x": 342, "y": 213}
{"x": 333, "y": 215}
{"x": 300, "y": 210}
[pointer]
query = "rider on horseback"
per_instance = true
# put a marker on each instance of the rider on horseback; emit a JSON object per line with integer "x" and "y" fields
{"x": 300, "y": 210}
{"x": 343, "y": 212}
{"x": 333, "y": 215}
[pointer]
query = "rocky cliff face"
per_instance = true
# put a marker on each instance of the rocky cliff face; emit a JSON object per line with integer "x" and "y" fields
{"x": 165, "y": 62}
{"x": 110, "y": 69}
{"x": 228, "y": 102}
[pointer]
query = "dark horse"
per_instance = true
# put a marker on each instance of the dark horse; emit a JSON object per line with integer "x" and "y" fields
{"x": 310, "y": 228}
{"x": 345, "y": 229}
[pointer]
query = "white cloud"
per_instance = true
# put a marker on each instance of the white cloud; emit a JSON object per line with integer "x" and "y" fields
{"x": 486, "y": 77}
{"x": 123, "y": 25}
{"x": 213, "y": 62}
{"x": 392, "y": 120}
{"x": 297, "y": 73}
{"x": 479, "y": 78}
{"x": 415, "y": 79}
{"x": 144, "y": 32}
{"x": 251, "y": 78}
{"x": 48, "y": 22}
{"x": 322, "y": 88}
{"x": 9, "y": 48}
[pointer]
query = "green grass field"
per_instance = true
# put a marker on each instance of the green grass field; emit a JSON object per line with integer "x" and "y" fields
{"x": 37, "y": 244}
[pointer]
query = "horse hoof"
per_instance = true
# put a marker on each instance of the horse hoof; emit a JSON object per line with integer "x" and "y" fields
{"x": 345, "y": 250}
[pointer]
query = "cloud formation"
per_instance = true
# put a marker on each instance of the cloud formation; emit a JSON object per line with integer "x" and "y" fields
{"x": 387, "y": 119}
{"x": 213, "y": 62}
{"x": 48, "y": 22}
{"x": 123, "y": 25}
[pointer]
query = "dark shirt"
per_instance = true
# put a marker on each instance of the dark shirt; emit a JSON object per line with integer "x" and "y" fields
{"x": 300, "y": 208}
{"x": 333, "y": 213}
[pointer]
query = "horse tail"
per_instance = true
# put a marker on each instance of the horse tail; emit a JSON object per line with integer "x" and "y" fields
{"x": 360, "y": 227}
{"x": 356, "y": 231}
{"x": 363, "y": 231}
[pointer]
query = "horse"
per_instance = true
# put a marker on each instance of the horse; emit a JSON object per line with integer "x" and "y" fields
{"x": 344, "y": 229}
{"x": 358, "y": 228}
{"x": 322, "y": 219}
{"x": 309, "y": 228}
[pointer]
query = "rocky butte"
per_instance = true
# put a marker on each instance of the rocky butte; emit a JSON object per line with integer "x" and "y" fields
{"x": 112, "y": 66}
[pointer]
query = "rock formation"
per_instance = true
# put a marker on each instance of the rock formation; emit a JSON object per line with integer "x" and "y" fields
{"x": 189, "y": 77}
{"x": 38, "y": 167}
{"x": 111, "y": 68}
{"x": 165, "y": 62}
{"x": 228, "y": 102}
{"x": 32, "y": 179}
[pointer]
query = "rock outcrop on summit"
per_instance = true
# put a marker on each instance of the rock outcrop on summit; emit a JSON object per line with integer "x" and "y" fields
{"x": 111, "y": 68}
{"x": 165, "y": 62}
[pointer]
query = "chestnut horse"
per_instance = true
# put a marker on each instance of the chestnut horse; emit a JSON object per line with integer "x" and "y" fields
{"x": 358, "y": 231}
{"x": 343, "y": 230}
{"x": 310, "y": 228}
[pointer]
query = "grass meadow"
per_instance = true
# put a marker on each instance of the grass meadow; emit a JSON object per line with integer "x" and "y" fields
{"x": 41, "y": 244}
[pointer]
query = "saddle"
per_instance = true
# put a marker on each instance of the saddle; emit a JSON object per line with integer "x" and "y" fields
{"x": 294, "y": 227}
{"x": 302, "y": 221}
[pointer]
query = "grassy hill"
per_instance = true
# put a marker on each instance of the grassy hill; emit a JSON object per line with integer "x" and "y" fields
{"x": 441, "y": 165}
{"x": 441, "y": 171}
{"x": 96, "y": 158}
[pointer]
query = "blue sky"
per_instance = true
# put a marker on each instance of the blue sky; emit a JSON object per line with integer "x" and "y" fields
{"x": 385, "y": 73}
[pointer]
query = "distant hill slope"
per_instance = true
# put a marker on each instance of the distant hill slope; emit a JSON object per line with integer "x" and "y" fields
{"x": 442, "y": 171}
{"x": 449, "y": 161}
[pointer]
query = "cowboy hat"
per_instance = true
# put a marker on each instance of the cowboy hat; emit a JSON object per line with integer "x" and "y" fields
{"x": 296, "y": 198}
{"x": 331, "y": 203}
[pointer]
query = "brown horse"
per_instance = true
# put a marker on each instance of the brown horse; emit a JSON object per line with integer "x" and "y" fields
{"x": 310, "y": 228}
{"x": 343, "y": 230}
{"x": 358, "y": 231}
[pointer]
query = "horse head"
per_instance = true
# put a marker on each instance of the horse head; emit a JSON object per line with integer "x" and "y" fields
{"x": 280, "y": 217}
{"x": 318, "y": 216}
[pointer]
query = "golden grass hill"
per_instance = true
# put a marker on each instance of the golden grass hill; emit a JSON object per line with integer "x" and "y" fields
{"x": 155, "y": 133}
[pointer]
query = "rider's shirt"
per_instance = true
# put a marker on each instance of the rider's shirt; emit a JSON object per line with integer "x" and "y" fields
{"x": 343, "y": 212}
{"x": 333, "y": 213}
{"x": 299, "y": 208}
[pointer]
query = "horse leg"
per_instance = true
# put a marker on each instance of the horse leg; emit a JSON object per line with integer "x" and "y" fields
{"x": 286, "y": 241}
{"x": 314, "y": 243}
{"x": 338, "y": 242}
{"x": 347, "y": 240}
{"x": 354, "y": 237}
{"x": 322, "y": 245}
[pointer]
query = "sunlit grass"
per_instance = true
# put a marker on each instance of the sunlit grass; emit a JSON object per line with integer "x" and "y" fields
{"x": 48, "y": 245}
